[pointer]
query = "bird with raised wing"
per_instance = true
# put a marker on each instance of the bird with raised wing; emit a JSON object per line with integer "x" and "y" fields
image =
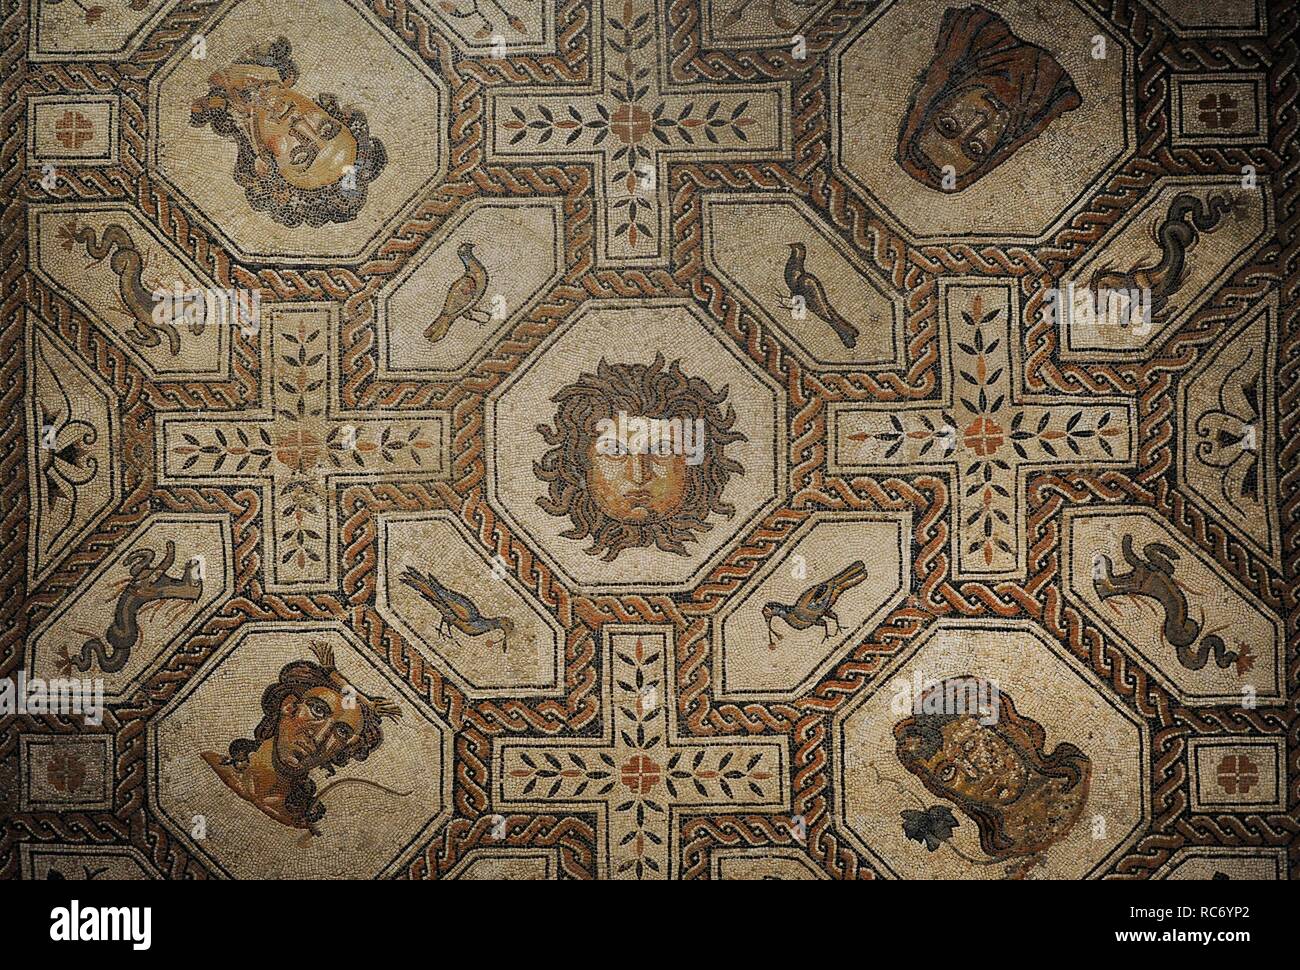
{"x": 815, "y": 605}
{"x": 463, "y": 297}
{"x": 806, "y": 286}
{"x": 457, "y": 611}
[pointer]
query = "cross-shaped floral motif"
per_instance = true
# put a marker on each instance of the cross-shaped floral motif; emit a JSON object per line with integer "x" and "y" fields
{"x": 987, "y": 435}
{"x": 299, "y": 446}
{"x": 642, "y": 772}
{"x": 632, "y": 123}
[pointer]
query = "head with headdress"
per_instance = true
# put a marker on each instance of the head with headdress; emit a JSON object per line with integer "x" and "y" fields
{"x": 994, "y": 765}
{"x": 984, "y": 94}
{"x": 312, "y": 717}
{"x": 300, "y": 160}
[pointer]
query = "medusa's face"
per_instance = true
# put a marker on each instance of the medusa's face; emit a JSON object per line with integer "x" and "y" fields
{"x": 310, "y": 147}
{"x": 315, "y": 728}
{"x": 632, "y": 481}
{"x": 962, "y": 129}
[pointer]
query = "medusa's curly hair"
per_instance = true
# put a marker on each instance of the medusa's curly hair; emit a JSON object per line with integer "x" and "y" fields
{"x": 296, "y": 678}
{"x": 649, "y": 391}
{"x": 288, "y": 204}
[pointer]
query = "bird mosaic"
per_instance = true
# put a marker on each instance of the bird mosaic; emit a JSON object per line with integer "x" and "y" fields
{"x": 815, "y": 605}
{"x": 458, "y": 611}
{"x": 805, "y": 286}
{"x": 463, "y": 296}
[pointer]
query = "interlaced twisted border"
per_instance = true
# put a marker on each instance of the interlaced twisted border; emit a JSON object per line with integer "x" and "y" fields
{"x": 809, "y": 175}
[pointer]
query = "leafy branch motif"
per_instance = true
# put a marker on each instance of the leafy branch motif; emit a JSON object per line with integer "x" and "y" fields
{"x": 1070, "y": 435}
{"x": 726, "y": 774}
{"x": 631, "y": 122}
{"x": 983, "y": 435}
{"x": 935, "y": 437}
{"x": 243, "y": 453}
{"x": 302, "y": 498}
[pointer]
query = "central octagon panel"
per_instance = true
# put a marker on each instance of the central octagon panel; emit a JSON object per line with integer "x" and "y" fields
{"x": 572, "y": 439}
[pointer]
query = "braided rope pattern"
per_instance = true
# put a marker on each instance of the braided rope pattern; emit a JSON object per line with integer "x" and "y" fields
{"x": 911, "y": 271}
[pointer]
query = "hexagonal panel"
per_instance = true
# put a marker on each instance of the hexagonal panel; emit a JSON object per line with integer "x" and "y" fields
{"x": 1202, "y": 862}
{"x": 1227, "y": 406}
{"x": 1155, "y": 234}
{"x": 750, "y": 664}
{"x": 1037, "y": 773}
{"x": 752, "y": 241}
{"x": 109, "y": 262}
{"x": 1223, "y": 18}
{"x": 101, "y": 863}
{"x": 425, "y": 330}
{"x": 1202, "y": 634}
{"x": 79, "y": 31}
{"x": 764, "y": 863}
{"x": 515, "y": 865}
{"x": 416, "y": 547}
{"x": 480, "y": 28}
{"x": 72, "y": 438}
{"x": 357, "y": 133}
{"x": 124, "y": 619}
{"x": 612, "y": 521}
{"x": 735, "y": 23}
{"x": 291, "y": 697}
{"x": 998, "y": 75}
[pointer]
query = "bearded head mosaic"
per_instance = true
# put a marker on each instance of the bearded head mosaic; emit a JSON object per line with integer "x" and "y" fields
{"x": 650, "y": 439}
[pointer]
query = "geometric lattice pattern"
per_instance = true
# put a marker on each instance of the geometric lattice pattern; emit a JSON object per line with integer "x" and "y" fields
{"x": 649, "y": 439}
